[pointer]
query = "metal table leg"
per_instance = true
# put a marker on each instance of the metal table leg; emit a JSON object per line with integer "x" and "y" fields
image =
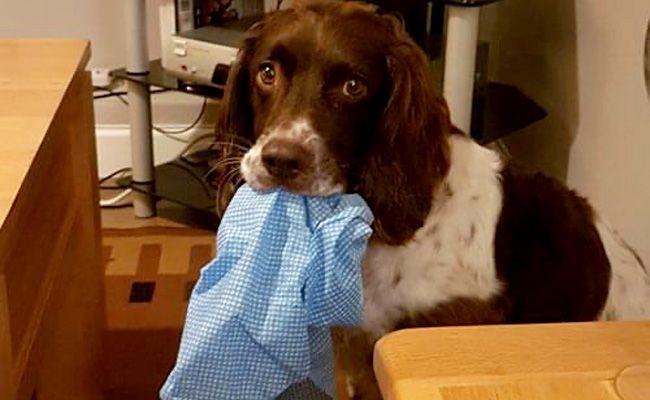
{"x": 139, "y": 109}
{"x": 460, "y": 60}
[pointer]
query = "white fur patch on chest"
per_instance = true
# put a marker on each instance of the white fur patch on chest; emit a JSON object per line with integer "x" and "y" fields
{"x": 451, "y": 256}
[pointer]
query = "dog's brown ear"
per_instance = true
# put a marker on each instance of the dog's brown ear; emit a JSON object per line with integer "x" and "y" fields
{"x": 235, "y": 116}
{"x": 409, "y": 154}
{"x": 234, "y": 125}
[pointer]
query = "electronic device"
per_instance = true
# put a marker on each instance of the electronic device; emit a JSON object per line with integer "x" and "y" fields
{"x": 204, "y": 55}
{"x": 200, "y": 39}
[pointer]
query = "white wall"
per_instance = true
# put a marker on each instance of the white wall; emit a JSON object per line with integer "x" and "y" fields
{"x": 610, "y": 159}
{"x": 102, "y": 22}
{"x": 582, "y": 60}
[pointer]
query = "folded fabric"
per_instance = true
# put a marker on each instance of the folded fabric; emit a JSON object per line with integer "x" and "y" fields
{"x": 287, "y": 268}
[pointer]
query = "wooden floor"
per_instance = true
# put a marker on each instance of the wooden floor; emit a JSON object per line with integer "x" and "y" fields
{"x": 168, "y": 215}
{"x": 151, "y": 266}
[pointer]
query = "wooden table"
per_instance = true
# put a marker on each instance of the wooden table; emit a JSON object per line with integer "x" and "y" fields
{"x": 590, "y": 361}
{"x": 51, "y": 299}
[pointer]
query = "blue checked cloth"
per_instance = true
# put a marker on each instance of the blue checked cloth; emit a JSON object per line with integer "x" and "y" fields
{"x": 287, "y": 268}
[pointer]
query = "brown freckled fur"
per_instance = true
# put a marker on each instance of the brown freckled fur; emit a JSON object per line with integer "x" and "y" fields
{"x": 353, "y": 354}
{"x": 459, "y": 311}
{"x": 472, "y": 233}
{"x": 447, "y": 190}
{"x": 397, "y": 279}
{"x": 432, "y": 230}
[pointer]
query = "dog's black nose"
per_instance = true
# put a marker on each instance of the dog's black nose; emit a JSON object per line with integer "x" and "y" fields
{"x": 284, "y": 159}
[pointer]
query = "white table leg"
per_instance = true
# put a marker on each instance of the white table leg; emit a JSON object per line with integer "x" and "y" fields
{"x": 139, "y": 108}
{"x": 460, "y": 60}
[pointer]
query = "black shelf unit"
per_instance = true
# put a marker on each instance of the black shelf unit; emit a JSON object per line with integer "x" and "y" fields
{"x": 159, "y": 77}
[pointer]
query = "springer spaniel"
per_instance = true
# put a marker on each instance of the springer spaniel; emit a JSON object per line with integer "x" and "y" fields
{"x": 333, "y": 97}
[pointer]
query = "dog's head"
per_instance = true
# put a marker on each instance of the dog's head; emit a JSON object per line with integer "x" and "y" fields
{"x": 336, "y": 97}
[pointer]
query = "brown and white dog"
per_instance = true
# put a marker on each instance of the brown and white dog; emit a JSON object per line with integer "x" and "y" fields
{"x": 335, "y": 97}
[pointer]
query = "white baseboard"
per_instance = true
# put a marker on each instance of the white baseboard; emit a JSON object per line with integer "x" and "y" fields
{"x": 114, "y": 147}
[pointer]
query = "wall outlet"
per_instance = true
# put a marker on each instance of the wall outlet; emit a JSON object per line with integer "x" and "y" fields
{"x": 101, "y": 77}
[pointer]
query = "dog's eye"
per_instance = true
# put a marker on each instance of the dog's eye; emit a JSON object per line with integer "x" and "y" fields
{"x": 266, "y": 74}
{"x": 354, "y": 87}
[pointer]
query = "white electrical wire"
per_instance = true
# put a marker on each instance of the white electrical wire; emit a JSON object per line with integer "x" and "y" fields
{"x": 118, "y": 200}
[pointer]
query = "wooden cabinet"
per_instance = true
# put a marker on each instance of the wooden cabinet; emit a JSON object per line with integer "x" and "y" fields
{"x": 51, "y": 292}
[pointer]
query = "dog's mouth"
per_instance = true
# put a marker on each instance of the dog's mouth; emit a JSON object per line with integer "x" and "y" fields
{"x": 308, "y": 179}
{"x": 294, "y": 158}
